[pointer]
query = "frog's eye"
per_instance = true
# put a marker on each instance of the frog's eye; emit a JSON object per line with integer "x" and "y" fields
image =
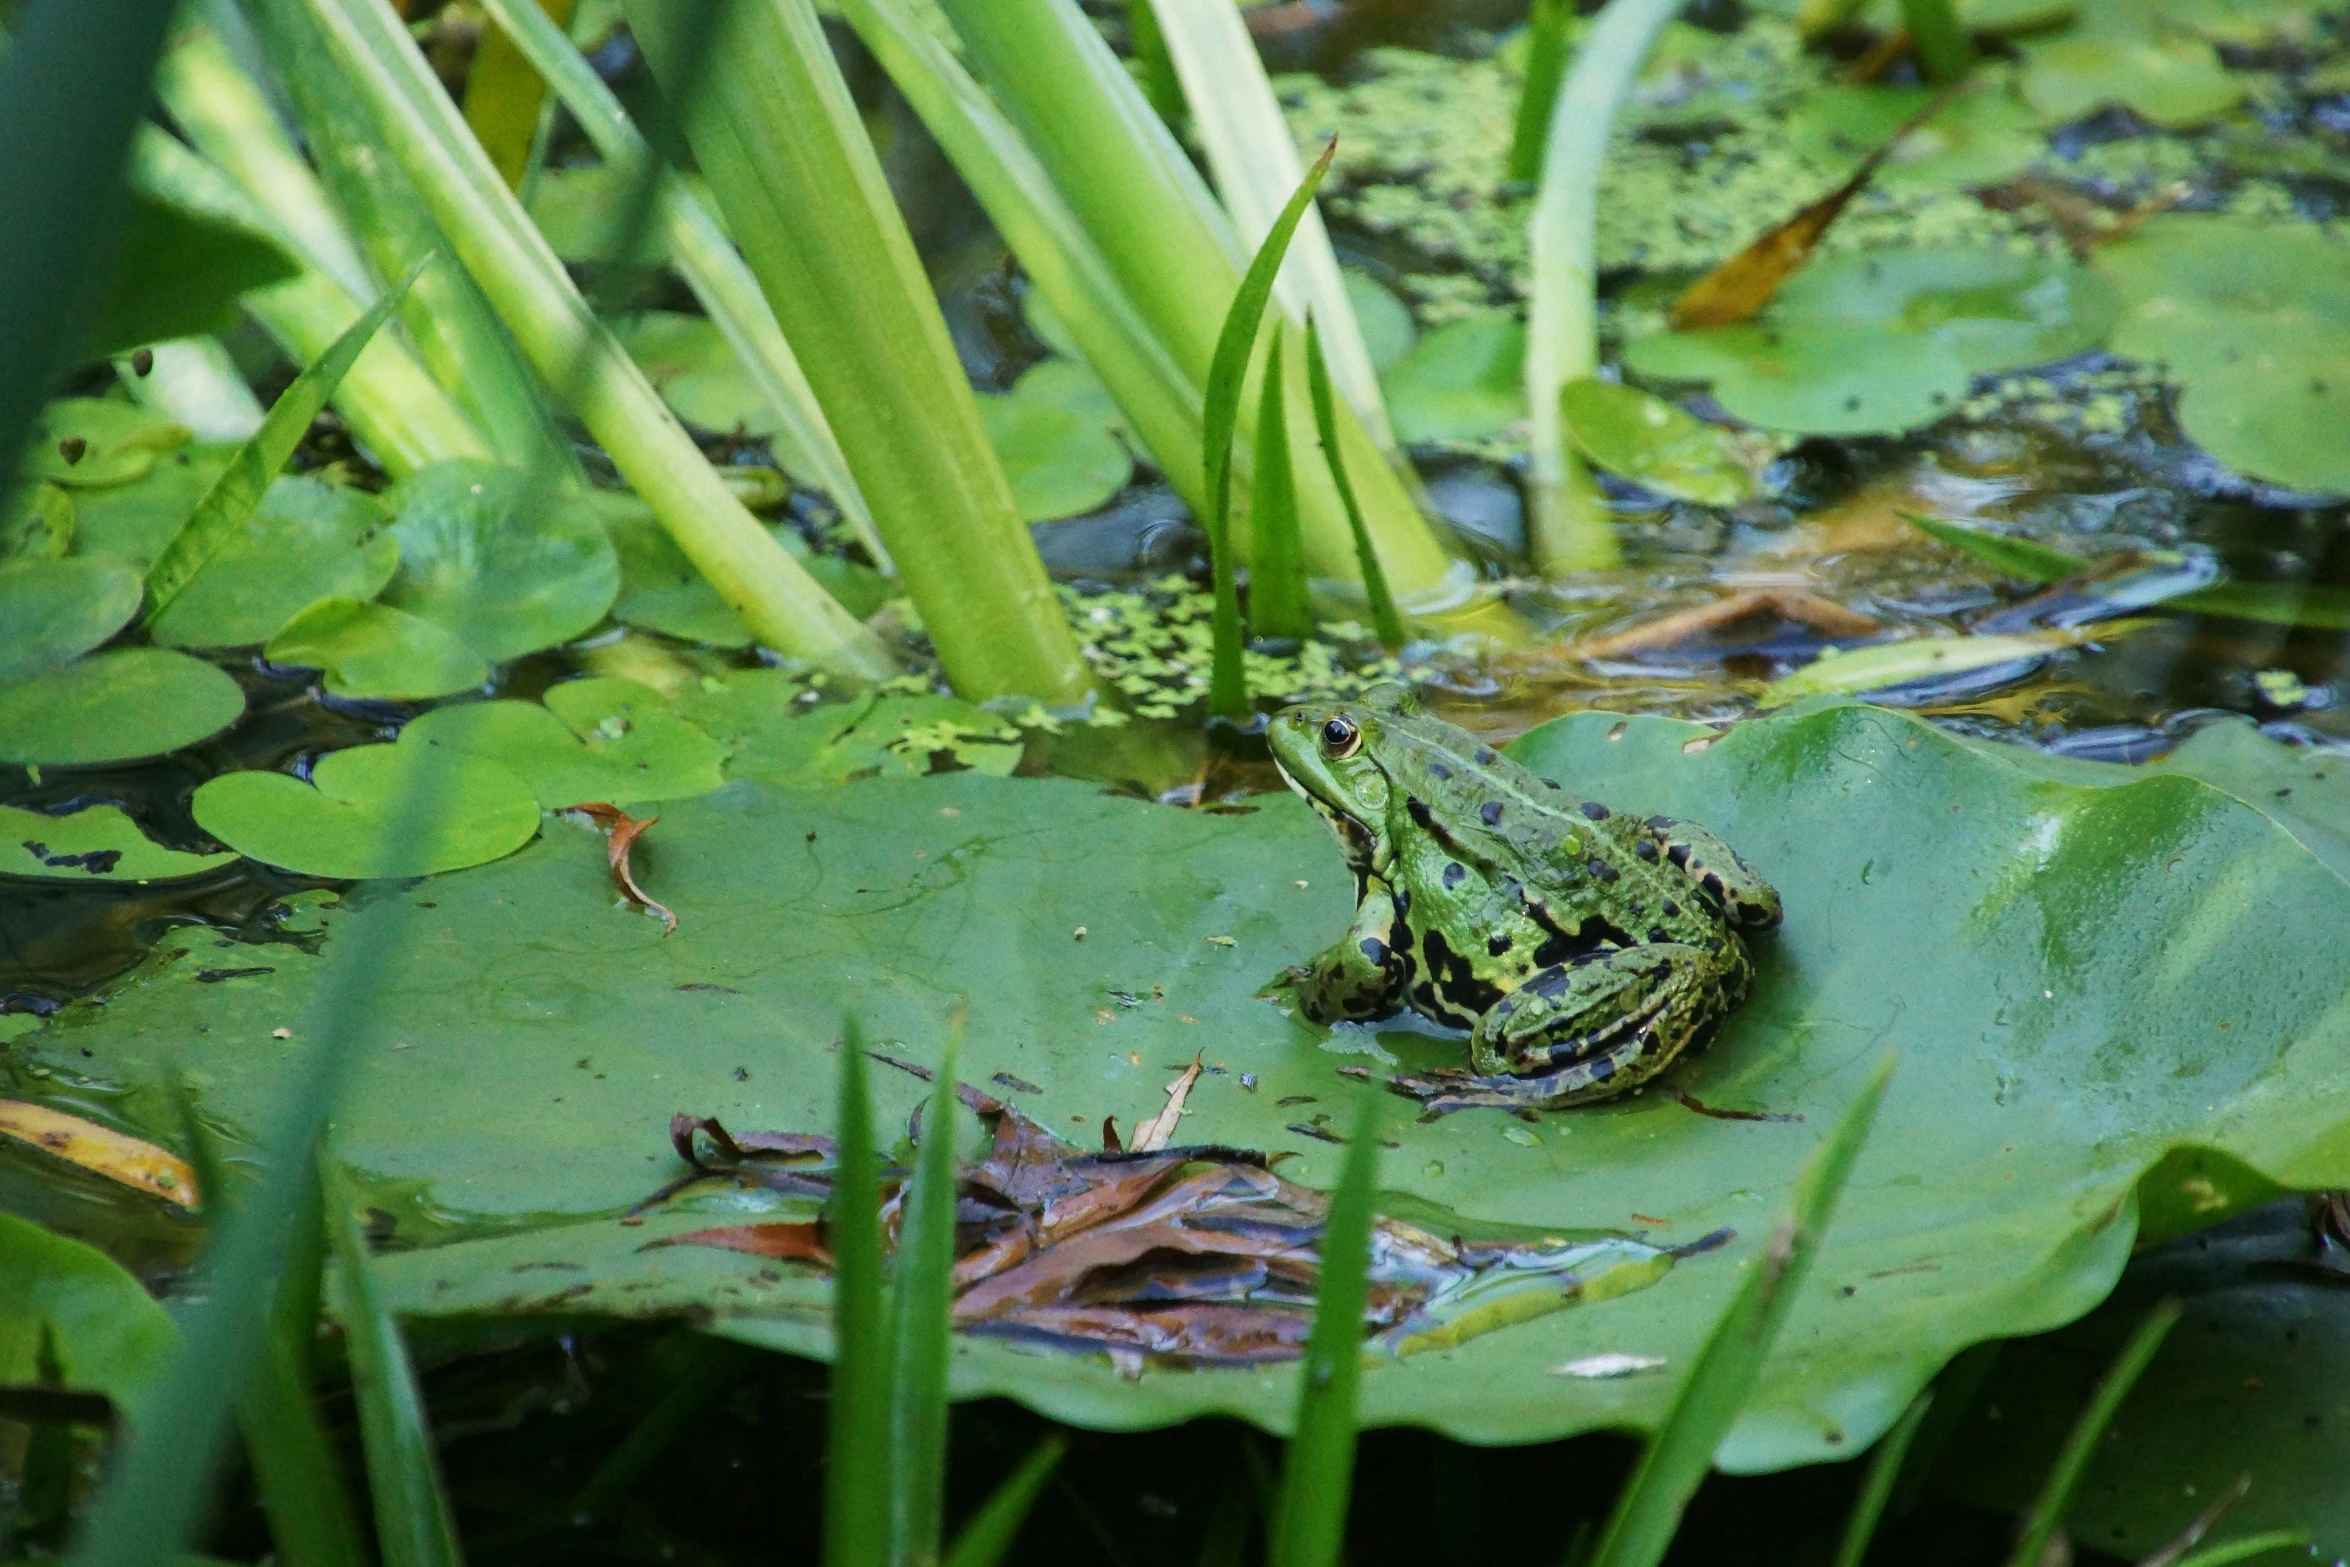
{"x": 1341, "y": 738}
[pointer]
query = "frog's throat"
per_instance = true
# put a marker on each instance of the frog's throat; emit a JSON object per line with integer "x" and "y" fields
{"x": 1355, "y": 840}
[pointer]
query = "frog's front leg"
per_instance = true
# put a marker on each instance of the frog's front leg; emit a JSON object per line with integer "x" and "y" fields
{"x": 1363, "y": 975}
{"x": 1589, "y": 1030}
{"x": 1746, "y": 900}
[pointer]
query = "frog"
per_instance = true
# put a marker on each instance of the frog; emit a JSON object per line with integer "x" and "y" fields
{"x": 1585, "y": 949}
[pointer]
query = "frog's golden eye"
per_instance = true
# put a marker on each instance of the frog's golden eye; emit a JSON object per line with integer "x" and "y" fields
{"x": 1341, "y": 738}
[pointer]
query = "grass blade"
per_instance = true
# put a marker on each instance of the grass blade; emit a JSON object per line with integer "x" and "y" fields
{"x": 301, "y": 1485}
{"x": 1239, "y": 125}
{"x": 412, "y": 1521}
{"x": 71, "y": 91}
{"x": 987, "y": 1538}
{"x": 575, "y": 353}
{"x": 1648, "y": 1510}
{"x": 703, "y": 255}
{"x": 2080, "y": 1444}
{"x": 922, "y": 1329}
{"x": 780, "y": 141}
{"x": 1567, "y": 527}
{"x": 857, "y": 1457}
{"x": 2229, "y": 1552}
{"x": 1220, "y": 411}
{"x": 1385, "y": 621}
{"x": 1945, "y": 50}
{"x": 1538, "y": 93}
{"x": 1876, "y": 1486}
{"x": 1277, "y": 570}
{"x": 1309, "y": 1521}
{"x": 230, "y": 502}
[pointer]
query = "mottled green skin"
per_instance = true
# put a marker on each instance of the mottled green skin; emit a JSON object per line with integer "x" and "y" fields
{"x": 1584, "y": 949}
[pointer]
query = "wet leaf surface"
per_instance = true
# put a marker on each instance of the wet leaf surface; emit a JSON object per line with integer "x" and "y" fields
{"x": 115, "y": 706}
{"x": 54, "y": 611}
{"x": 594, "y": 739}
{"x": 1061, "y": 462}
{"x": 506, "y": 568}
{"x": 2017, "y": 935}
{"x": 1981, "y": 137}
{"x": 1812, "y": 378}
{"x": 374, "y": 650}
{"x": 1461, "y": 382}
{"x": 95, "y": 843}
{"x": 306, "y": 541}
{"x": 347, "y": 820}
{"x": 1643, "y": 438}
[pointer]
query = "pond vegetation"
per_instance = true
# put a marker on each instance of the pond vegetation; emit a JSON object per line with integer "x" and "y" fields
{"x": 647, "y": 914}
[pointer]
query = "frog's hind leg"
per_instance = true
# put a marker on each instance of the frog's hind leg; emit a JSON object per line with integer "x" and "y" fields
{"x": 1744, "y": 898}
{"x": 1585, "y": 1031}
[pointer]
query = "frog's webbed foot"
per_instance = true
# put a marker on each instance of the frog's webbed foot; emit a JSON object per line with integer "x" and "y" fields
{"x": 1361, "y": 977}
{"x": 1441, "y": 1092}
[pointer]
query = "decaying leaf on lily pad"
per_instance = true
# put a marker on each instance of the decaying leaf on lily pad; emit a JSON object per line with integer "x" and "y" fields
{"x": 1190, "y": 1255}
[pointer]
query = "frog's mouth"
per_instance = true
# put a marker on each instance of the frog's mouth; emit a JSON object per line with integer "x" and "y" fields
{"x": 1359, "y": 843}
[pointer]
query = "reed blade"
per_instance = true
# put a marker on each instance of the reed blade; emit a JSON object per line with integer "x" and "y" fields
{"x": 857, "y": 1452}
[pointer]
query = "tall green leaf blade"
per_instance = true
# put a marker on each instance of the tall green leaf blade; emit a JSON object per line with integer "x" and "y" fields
{"x": 1385, "y": 621}
{"x": 230, "y": 502}
{"x": 2080, "y": 1445}
{"x": 1277, "y": 570}
{"x": 857, "y": 1448}
{"x": 1309, "y": 1526}
{"x": 1538, "y": 92}
{"x": 412, "y": 1521}
{"x": 2022, "y": 558}
{"x": 1220, "y": 412}
{"x": 922, "y": 1329}
{"x": 1876, "y": 1486}
{"x": 1648, "y": 1511}
{"x": 987, "y": 1539}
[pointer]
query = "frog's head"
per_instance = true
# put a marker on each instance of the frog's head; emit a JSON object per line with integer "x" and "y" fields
{"x": 1335, "y": 755}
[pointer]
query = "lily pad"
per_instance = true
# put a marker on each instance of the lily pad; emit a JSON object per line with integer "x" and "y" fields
{"x": 97, "y": 442}
{"x": 772, "y": 734}
{"x": 1061, "y": 463}
{"x": 1813, "y": 377}
{"x": 1996, "y": 309}
{"x": 1071, "y": 385}
{"x": 1983, "y": 137}
{"x": 508, "y": 569}
{"x": 1649, "y": 441}
{"x": 306, "y": 541}
{"x": 374, "y": 650}
{"x": 2055, "y": 962}
{"x": 353, "y": 818}
{"x": 54, "y": 611}
{"x": 1465, "y": 381}
{"x": 661, "y": 591}
{"x": 2251, "y": 319}
{"x": 604, "y": 740}
{"x": 582, "y": 212}
{"x": 1384, "y": 320}
{"x": 132, "y": 522}
{"x": 115, "y": 707}
{"x": 95, "y": 843}
{"x": 698, "y": 373}
{"x": 108, "y": 1335}
{"x": 2172, "y": 80}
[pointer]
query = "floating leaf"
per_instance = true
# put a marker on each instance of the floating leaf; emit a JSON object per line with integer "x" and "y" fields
{"x": 340, "y": 823}
{"x": 1060, "y": 464}
{"x": 306, "y": 541}
{"x": 54, "y": 611}
{"x": 2173, "y": 81}
{"x": 1465, "y": 381}
{"x": 1889, "y": 664}
{"x": 770, "y": 736}
{"x": 1813, "y": 378}
{"x": 1071, "y": 385}
{"x": 95, "y": 843}
{"x": 621, "y": 832}
{"x": 101, "y": 1150}
{"x": 96, "y": 442}
{"x": 594, "y": 740}
{"x": 2054, "y": 958}
{"x": 1654, "y": 444}
{"x": 108, "y": 1335}
{"x": 115, "y": 707}
{"x": 1386, "y": 321}
{"x": 131, "y": 523}
{"x": 507, "y": 568}
{"x": 1996, "y": 309}
{"x": 581, "y": 211}
{"x": 374, "y": 650}
{"x": 1982, "y": 137}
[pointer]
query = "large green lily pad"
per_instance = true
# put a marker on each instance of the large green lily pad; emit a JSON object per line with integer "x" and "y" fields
{"x": 2078, "y": 979}
{"x": 95, "y": 843}
{"x": 1813, "y": 377}
{"x": 355, "y": 816}
{"x": 604, "y": 741}
{"x": 114, "y": 707}
{"x": 54, "y": 611}
{"x": 1061, "y": 462}
{"x": 306, "y": 541}
{"x": 374, "y": 650}
{"x": 508, "y": 569}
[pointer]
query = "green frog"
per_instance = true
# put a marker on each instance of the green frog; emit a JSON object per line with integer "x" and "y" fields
{"x": 1583, "y": 948}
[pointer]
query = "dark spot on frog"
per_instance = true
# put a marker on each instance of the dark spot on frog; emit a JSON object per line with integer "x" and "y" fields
{"x": 1374, "y": 949}
{"x": 1672, "y": 909}
{"x": 1550, "y": 783}
{"x": 1491, "y": 811}
{"x": 1440, "y": 770}
{"x": 1596, "y": 811}
{"x": 1658, "y": 933}
{"x": 1646, "y": 850}
{"x": 1497, "y": 943}
{"x": 1660, "y": 823}
{"x": 1403, "y": 901}
{"x": 1417, "y": 809}
{"x": 1453, "y": 874}
{"x": 1603, "y": 870}
{"x": 1485, "y": 758}
{"x": 1454, "y": 980}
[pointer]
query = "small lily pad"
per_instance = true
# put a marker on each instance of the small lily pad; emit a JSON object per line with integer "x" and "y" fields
{"x": 1386, "y": 321}
{"x": 661, "y": 591}
{"x": 1465, "y": 381}
{"x": 306, "y": 541}
{"x": 374, "y": 650}
{"x": 1060, "y": 463}
{"x": 96, "y": 442}
{"x": 1813, "y": 377}
{"x": 1981, "y": 138}
{"x": 603, "y": 740}
{"x": 352, "y": 820}
{"x": 115, "y": 707}
{"x": 95, "y": 843}
{"x": 774, "y": 736}
{"x": 2174, "y": 81}
{"x": 54, "y": 611}
{"x": 133, "y": 522}
{"x": 1996, "y": 309}
{"x": 1070, "y": 384}
{"x": 698, "y": 373}
{"x": 1649, "y": 441}
{"x": 508, "y": 569}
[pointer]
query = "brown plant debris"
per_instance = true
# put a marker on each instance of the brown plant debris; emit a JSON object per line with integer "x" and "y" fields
{"x": 101, "y": 1150}
{"x": 622, "y": 832}
{"x": 1193, "y": 1255}
{"x": 1804, "y": 609}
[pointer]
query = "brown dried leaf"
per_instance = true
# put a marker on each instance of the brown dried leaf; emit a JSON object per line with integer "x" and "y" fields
{"x": 101, "y": 1150}
{"x": 1153, "y": 1134}
{"x": 623, "y": 830}
{"x": 791, "y": 1242}
{"x": 1805, "y": 609}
